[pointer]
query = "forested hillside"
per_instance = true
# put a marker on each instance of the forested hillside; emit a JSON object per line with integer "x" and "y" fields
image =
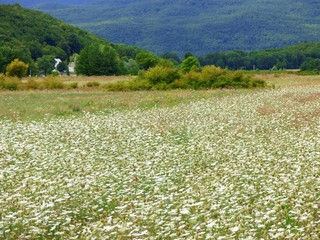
{"x": 198, "y": 26}
{"x": 305, "y": 56}
{"x": 38, "y": 38}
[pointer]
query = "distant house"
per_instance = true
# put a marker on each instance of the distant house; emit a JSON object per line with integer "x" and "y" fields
{"x": 71, "y": 67}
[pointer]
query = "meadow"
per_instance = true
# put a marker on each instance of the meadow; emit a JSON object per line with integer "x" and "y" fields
{"x": 178, "y": 164}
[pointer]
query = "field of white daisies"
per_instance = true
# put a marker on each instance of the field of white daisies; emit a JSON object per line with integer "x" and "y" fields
{"x": 241, "y": 166}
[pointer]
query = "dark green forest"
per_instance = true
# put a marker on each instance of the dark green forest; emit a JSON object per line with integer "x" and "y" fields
{"x": 305, "y": 56}
{"x": 198, "y": 26}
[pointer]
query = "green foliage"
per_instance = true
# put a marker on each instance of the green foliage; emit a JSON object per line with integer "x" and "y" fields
{"x": 93, "y": 84}
{"x": 133, "y": 85}
{"x": 190, "y": 63}
{"x": 17, "y": 68}
{"x": 73, "y": 85}
{"x": 215, "y": 77}
{"x": 172, "y": 57}
{"x": 291, "y": 57}
{"x": 131, "y": 67}
{"x": 49, "y": 83}
{"x": 146, "y": 60}
{"x": 162, "y": 75}
{"x": 96, "y": 59}
{"x": 62, "y": 67}
{"x": 33, "y": 36}
{"x": 9, "y": 83}
{"x": 52, "y": 83}
{"x": 189, "y": 80}
{"x": 32, "y": 83}
{"x": 55, "y": 73}
{"x": 311, "y": 64}
{"x": 45, "y": 64}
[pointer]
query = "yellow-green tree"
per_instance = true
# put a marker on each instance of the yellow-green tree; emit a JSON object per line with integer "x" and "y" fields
{"x": 190, "y": 63}
{"x": 17, "y": 68}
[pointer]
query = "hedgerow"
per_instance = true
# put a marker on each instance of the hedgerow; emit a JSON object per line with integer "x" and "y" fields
{"x": 169, "y": 77}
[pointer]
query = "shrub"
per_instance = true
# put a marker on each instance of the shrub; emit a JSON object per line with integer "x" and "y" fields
{"x": 17, "y": 68}
{"x": 93, "y": 84}
{"x": 55, "y": 73}
{"x": 73, "y": 85}
{"x": 189, "y": 80}
{"x": 32, "y": 84}
{"x": 164, "y": 76}
{"x": 211, "y": 73}
{"x": 52, "y": 83}
{"x": 161, "y": 75}
{"x": 133, "y": 85}
{"x": 9, "y": 83}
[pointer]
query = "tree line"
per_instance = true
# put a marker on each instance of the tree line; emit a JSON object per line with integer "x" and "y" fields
{"x": 304, "y": 56}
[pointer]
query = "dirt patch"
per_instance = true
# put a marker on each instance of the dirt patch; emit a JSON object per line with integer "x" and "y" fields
{"x": 266, "y": 110}
{"x": 309, "y": 98}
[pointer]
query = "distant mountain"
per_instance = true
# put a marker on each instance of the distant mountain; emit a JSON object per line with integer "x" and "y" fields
{"x": 198, "y": 26}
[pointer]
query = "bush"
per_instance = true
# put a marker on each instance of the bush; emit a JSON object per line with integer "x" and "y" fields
{"x": 55, "y": 73}
{"x": 211, "y": 73}
{"x": 32, "y": 84}
{"x": 52, "y": 83}
{"x": 133, "y": 85}
{"x": 93, "y": 84}
{"x": 17, "y": 68}
{"x": 161, "y": 75}
{"x": 73, "y": 85}
{"x": 8, "y": 83}
{"x": 189, "y": 80}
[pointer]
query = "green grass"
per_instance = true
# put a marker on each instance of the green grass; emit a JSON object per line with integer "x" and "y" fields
{"x": 38, "y": 105}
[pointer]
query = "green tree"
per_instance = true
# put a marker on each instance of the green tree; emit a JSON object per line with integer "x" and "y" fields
{"x": 55, "y": 51}
{"x": 172, "y": 57}
{"x": 73, "y": 57}
{"x": 62, "y": 66}
{"x": 46, "y": 64}
{"x": 6, "y": 56}
{"x": 35, "y": 50}
{"x": 131, "y": 67}
{"x": 265, "y": 60}
{"x": 146, "y": 60}
{"x": 190, "y": 63}
{"x": 310, "y": 65}
{"x": 96, "y": 59}
{"x": 17, "y": 68}
{"x": 188, "y": 54}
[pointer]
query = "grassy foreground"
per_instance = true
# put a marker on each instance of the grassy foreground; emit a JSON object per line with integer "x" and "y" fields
{"x": 47, "y": 104}
{"x": 37, "y": 105}
{"x": 172, "y": 165}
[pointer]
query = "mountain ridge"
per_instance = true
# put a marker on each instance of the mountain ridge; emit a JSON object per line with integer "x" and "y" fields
{"x": 200, "y": 27}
